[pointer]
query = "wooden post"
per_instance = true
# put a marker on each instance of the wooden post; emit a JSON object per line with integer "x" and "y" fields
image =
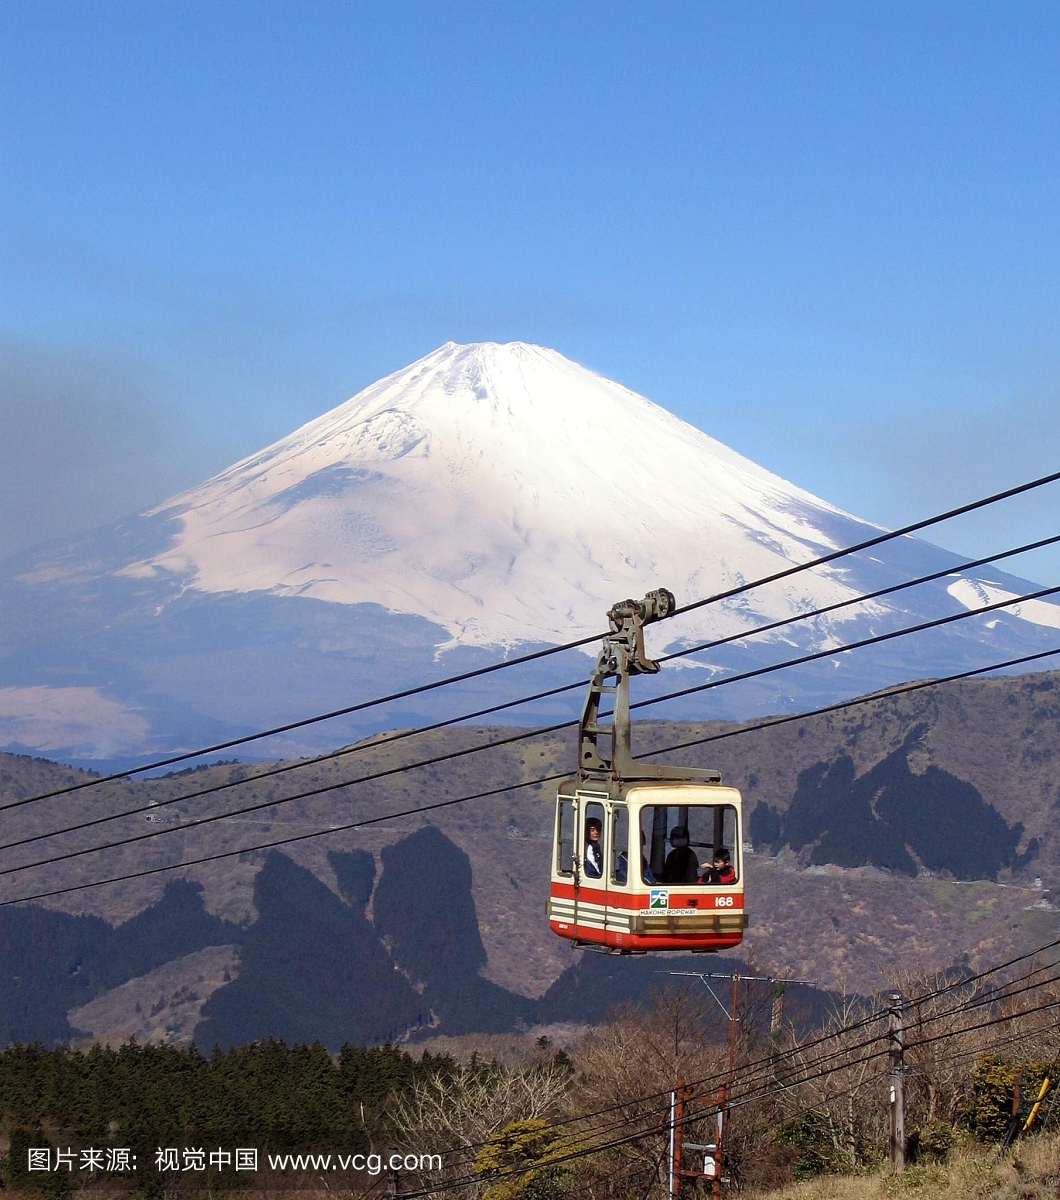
{"x": 677, "y": 1138}
{"x": 671, "y": 1177}
{"x": 1017, "y": 1107}
{"x": 776, "y": 1025}
{"x": 896, "y": 1035}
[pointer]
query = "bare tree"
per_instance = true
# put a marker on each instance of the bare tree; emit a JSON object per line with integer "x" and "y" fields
{"x": 456, "y": 1113}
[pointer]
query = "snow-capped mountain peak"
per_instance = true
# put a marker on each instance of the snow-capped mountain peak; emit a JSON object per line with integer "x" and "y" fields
{"x": 486, "y": 495}
{"x": 504, "y": 493}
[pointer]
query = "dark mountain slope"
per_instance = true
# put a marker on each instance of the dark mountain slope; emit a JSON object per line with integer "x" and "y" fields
{"x": 983, "y": 763}
{"x": 51, "y": 962}
{"x": 423, "y": 906}
{"x": 894, "y": 818}
{"x": 313, "y": 969}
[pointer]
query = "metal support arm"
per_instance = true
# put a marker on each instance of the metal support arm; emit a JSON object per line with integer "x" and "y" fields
{"x": 621, "y": 656}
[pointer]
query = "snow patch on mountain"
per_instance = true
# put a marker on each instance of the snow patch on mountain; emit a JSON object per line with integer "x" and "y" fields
{"x": 974, "y": 594}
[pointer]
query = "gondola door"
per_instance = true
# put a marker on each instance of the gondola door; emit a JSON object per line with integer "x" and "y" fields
{"x": 619, "y": 877}
{"x": 591, "y": 871}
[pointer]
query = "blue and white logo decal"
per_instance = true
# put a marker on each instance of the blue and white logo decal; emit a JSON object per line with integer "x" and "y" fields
{"x": 659, "y": 898}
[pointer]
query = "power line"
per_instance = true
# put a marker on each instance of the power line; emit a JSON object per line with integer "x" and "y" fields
{"x": 768, "y": 1063}
{"x": 478, "y": 672}
{"x": 999, "y": 1020}
{"x": 887, "y": 591}
{"x": 417, "y": 810}
{"x": 1019, "y": 1036}
{"x": 957, "y": 1010}
{"x": 717, "y": 1077}
{"x": 756, "y": 1094}
{"x": 964, "y": 981}
{"x": 760, "y": 1091}
{"x": 763, "y": 1091}
{"x": 872, "y": 698}
{"x": 978, "y": 1001}
{"x": 400, "y": 735}
{"x": 771, "y": 1061}
{"x": 875, "y": 640}
{"x": 507, "y": 1172}
{"x": 879, "y": 540}
{"x": 522, "y": 736}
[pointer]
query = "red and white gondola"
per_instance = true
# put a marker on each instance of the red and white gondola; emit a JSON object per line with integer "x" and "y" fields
{"x": 645, "y": 856}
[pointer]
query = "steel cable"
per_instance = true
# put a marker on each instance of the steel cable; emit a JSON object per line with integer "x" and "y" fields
{"x": 419, "y": 809}
{"x": 478, "y": 672}
{"x": 400, "y": 735}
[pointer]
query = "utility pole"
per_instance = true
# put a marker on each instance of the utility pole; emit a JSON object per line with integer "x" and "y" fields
{"x": 677, "y": 1133}
{"x": 896, "y": 1035}
{"x": 732, "y": 1012}
{"x": 681, "y": 1096}
{"x": 719, "y": 1140}
{"x": 776, "y": 1016}
{"x": 776, "y": 1026}
{"x": 712, "y": 1162}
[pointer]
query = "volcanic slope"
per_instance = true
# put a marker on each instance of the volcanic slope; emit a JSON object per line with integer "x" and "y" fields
{"x": 486, "y": 497}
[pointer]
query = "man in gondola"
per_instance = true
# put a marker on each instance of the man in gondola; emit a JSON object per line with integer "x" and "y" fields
{"x": 594, "y": 854}
{"x": 682, "y": 865}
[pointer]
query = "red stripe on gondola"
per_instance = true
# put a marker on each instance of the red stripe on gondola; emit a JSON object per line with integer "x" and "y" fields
{"x": 652, "y": 941}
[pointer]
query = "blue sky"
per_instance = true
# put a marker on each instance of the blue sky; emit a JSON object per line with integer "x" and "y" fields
{"x": 826, "y": 234}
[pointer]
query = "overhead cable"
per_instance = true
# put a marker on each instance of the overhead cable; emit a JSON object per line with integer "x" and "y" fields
{"x": 737, "y": 1101}
{"x": 767, "y": 1064}
{"x": 497, "y": 791}
{"x": 403, "y": 734}
{"x": 478, "y": 672}
{"x": 861, "y": 599}
{"x": 915, "y": 527}
{"x": 525, "y": 735}
{"x": 875, "y": 640}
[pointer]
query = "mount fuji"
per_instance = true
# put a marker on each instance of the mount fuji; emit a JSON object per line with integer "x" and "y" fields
{"x": 486, "y": 500}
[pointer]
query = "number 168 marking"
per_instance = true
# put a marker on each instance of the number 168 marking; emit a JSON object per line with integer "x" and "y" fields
{"x": 723, "y": 902}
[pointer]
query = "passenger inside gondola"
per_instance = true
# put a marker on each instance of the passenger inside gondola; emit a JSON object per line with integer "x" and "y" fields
{"x": 594, "y": 853}
{"x": 720, "y": 871}
{"x": 682, "y": 865}
{"x": 622, "y": 867}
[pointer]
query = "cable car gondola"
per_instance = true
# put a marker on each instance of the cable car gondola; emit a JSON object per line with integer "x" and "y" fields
{"x": 645, "y": 856}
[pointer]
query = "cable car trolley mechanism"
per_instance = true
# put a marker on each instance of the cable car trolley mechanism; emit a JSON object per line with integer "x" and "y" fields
{"x": 645, "y": 856}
